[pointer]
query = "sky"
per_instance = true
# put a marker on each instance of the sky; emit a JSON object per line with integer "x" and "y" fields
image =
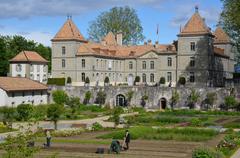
{"x": 40, "y": 20}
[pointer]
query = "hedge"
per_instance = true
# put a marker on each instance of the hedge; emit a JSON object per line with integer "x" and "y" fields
{"x": 56, "y": 81}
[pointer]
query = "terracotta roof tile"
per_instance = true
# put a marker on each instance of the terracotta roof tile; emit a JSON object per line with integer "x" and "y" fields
{"x": 69, "y": 31}
{"x": 110, "y": 39}
{"x": 221, "y": 36}
{"x": 220, "y": 52}
{"x": 20, "y": 84}
{"x": 28, "y": 56}
{"x": 196, "y": 25}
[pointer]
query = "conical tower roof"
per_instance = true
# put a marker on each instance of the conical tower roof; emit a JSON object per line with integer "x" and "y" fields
{"x": 69, "y": 31}
{"x": 221, "y": 36}
{"x": 196, "y": 25}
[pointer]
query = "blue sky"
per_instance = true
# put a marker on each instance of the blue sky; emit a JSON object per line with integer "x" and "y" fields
{"x": 40, "y": 20}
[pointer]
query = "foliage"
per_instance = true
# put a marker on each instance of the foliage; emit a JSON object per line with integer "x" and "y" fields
{"x": 24, "y": 112}
{"x": 210, "y": 99}
{"x": 118, "y": 19}
{"x": 116, "y": 115}
{"x": 143, "y": 100}
{"x": 69, "y": 80}
{"x": 182, "y": 81}
{"x": 87, "y": 80}
{"x": 230, "y": 101}
{"x": 54, "y": 112}
{"x": 162, "y": 80}
{"x": 193, "y": 98}
{"x": 56, "y": 81}
{"x": 87, "y": 97}
{"x": 196, "y": 122}
{"x": 205, "y": 153}
{"x": 97, "y": 126}
{"x": 67, "y": 132}
{"x": 230, "y": 20}
{"x": 39, "y": 112}
{"x": 101, "y": 97}
{"x": 8, "y": 114}
{"x": 179, "y": 134}
{"x": 175, "y": 98}
{"x": 137, "y": 79}
{"x": 59, "y": 97}
{"x": 10, "y": 46}
{"x": 106, "y": 80}
{"x": 73, "y": 103}
{"x": 18, "y": 146}
{"x": 129, "y": 96}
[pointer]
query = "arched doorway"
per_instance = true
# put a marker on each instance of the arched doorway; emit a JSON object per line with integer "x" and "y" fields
{"x": 163, "y": 103}
{"x": 121, "y": 100}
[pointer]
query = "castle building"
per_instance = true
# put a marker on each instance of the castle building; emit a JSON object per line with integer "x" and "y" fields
{"x": 202, "y": 57}
{"x": 29, "y": 64}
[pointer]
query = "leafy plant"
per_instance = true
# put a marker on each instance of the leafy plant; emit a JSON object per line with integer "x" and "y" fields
{"x": 69, "y": 80}
{"x": 182, "y": 81}
{"x": 97, "y": 126}
{"x": 87, "y": 97}
{"x": 205, "y": 153}
{"x": 106, "y": 80}
{"x": 54, "y": 113}
{"x": 175, "y": 98}
{"x": 87, "y": 81}
{"x": 59, "y": 97}
{"x": 8, "y": 115}
{"x": 210, "y": 99}
{"x": 101, "y": 97}
{"x": 116, "y": 115}
{"x": 129, "y": 96}
{"x": 193, "y": 98}
{"x": 137, "y": 79}
{"x": 230, "y": 102}
{"x": 73, "y": 103}
{"x": 162, "y": 80}
{"x": 24, "y": 111}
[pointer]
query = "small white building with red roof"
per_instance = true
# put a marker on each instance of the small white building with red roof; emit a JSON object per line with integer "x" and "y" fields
{"x": 29, "y": 64}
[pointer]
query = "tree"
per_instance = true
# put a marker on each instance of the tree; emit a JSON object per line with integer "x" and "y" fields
{"x": 230, "y": 20}
{"x": 87, "y": 81}
{"x": 118, "y": 19}
{"x": 162, "y": 80}
{"x": 69, "y": 80}
{"x": 193, "y": 98}
{"x": 101, "y": 97}
{"x": 87, "y": 97}
{"x": 73, "y": 103}
{"x": 116, "y": 115}
{"x": 230, "y": 102}
{"x": 129, "y": 96}
{"x": 59, "y": 97}
{"x": 106, "y": 81}
{"x": 143, "y": 100}
{"x": 24, "y": 111}
{"x": 182, "y": 81}
{"x": 210, "y": 99}
{"x": 175, "y": 98}
{"x": 137, "y": 79}
{"x": 8, "y": 115}
{"x": 54, "y": 113}
{"x": 18, "y": 146}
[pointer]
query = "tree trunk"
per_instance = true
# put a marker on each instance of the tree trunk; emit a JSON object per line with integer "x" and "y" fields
{"x": 55, "y": 125}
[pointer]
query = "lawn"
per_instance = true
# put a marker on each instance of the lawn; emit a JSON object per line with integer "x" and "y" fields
{"x": 179, "y": 134}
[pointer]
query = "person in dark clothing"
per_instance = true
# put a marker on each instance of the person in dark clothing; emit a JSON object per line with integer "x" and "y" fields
{"x": 115, "y": 146}
{"x": 127, "y": 140}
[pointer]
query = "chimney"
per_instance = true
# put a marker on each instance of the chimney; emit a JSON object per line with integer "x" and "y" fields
{"x": 119, "y": 38}
{"x": 145, "y": 43}
{"x": 156, "y": 44}
{"x": 149, "y": 42}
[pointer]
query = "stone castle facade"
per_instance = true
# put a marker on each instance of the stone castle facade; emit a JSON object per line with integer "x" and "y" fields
{"x": 202, "y": 57}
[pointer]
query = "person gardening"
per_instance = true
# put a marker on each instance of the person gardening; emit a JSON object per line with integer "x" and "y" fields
{"x": 115, "y": 146}
{"x": 127, "y": 140}
{"x": 48, "y": 139}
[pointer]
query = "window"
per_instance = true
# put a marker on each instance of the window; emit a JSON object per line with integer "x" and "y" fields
{"x": 63, "y": 50}
{"x": 192, "y": 46}
{"x": 169, "y": 76}
{"x": 32, "y": 93}
{"x": 144, "y": 65}
{"x": 44, "y": 68}
{"x": 13, "y": 94}
{"x": 18, "y": 67}
{"x": 130, "y": 65}
{"x": 144, "y": 78}
{"x": 31, "y": 68}
{"x": 23, "y": 94}
{"x": 97, "y": 62}
{"x": 83, "y": 63}
{"x": 38, "y": 77}
{"x": 192, "y": 77}
{"x": 63, "y": 63}
{"x": 169, "y": 61}
{"x": 152, "y": 65}
{"x": 41, "y": 93}
{"x": 83, "y": 77}
{"x": 151, "y": 77}
{"x": 192, "y": 61}
{"x": 31, "y": 76}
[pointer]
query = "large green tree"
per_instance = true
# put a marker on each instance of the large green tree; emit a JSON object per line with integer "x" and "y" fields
{"x": 12, "y": 45}
{"x": 117, "y": 19}
{"x": 230, "y": 20}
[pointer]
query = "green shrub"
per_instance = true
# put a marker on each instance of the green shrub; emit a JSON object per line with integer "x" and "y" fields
{"x": 40, "y": 112}
{"x": 87, "y": 97}
{"x": 97, "y": 126}
{"x": 106, "y": 80}
{"x": 196, "y": 122}
{"x": 59, "y": 97}
{"x": 56, "y": 81}
{"x": 69, "y": 80}
{"x": 230, "y": 102}
{"x": 182, "y": 81}
{"x": 162, "y": 80}
{"x": 205, "y": 153}
{"x": 87, "y": 81}
{"x": 24, "y": 112}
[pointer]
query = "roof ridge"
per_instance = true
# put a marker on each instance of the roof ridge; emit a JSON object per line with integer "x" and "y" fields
{"x": 25, "y": 55}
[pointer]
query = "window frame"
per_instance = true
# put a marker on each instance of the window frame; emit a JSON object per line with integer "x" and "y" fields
{"x": 144, "y": 65}
{"x": 169, "y": 61}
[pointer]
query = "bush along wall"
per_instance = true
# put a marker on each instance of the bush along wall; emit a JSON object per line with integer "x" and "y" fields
{"x": 56, "y": 81}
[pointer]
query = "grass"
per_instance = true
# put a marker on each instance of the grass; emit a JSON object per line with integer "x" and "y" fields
{"x": 179, "y": 134}
{"x": 75, "y": 141}
{"x": 5, "y": 130}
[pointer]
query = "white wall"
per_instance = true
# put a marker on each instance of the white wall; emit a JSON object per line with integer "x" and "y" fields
{"x": 8, "y": 100}
{"x": 22, "y": 72}
{"x": 39, "y": 72}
